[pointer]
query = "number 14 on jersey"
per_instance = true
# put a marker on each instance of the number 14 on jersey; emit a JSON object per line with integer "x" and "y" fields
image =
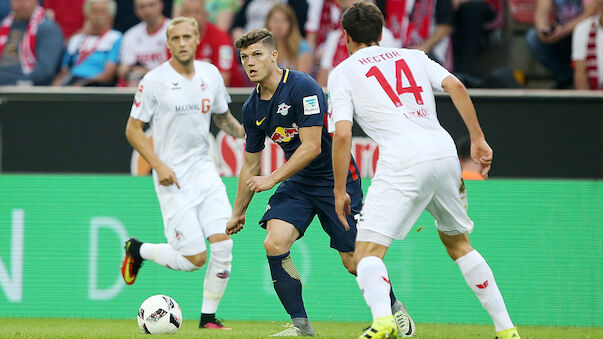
{"x": 401, "y": 66}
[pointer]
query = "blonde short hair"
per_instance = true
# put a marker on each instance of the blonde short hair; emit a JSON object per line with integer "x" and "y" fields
{"x": 183, "y": 19}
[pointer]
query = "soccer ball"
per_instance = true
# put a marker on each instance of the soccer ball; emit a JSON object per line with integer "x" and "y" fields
{"x": 159, "y": 314}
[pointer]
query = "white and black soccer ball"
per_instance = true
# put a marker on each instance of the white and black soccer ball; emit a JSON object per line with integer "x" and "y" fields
{"x": 159, "y": 314}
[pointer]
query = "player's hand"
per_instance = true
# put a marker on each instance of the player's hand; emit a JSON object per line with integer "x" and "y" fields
{"x": 342, "y": 208}
{"x": 260, "y": 183}
{"x": 166, "y": 176}
{"x": 481, "y": 153}
{"x": 235, "y": 224}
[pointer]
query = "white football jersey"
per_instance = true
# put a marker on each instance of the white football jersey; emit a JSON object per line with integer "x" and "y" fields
{"x": 388, "y": 92}
{"x": 179, "y": 112}
{"x": 140, "y": 47}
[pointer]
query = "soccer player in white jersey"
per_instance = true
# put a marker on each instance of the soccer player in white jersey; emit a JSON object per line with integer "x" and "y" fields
{"x": 143, "y": 46}
{"x": 178, "y": 99}
{"x": 388, "y": 91}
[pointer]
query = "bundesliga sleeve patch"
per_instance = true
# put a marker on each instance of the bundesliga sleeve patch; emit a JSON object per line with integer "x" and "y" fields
{"x": 311, "y": 105}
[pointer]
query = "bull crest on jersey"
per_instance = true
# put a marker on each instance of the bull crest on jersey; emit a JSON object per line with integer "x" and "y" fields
{"x": 284, "y": 134}
{"x": 283, "y": 109}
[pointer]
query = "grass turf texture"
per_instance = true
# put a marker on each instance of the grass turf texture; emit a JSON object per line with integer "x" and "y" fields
{"x": 93, "y": 328}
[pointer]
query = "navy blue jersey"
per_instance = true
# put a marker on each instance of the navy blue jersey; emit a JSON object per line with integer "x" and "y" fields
{"x": 297, "y": 102}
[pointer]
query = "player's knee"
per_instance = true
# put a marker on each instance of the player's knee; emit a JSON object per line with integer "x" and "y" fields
{"x": 274, "y": 247}
{"x": 197, "y": 260}
{"x": 221, "y": 251}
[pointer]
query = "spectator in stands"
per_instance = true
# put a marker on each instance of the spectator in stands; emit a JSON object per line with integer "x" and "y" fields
{"x": 68, "y": 14}
{"x": 215, "y": 46}
{"x": 468, "y": 39}
{"x": 422, "y": 24}
{"x": 323, "y": 17}
{"x": 587, "y": 51}
{"x": 551, "y": 42}
{"x": 470, "y": 170}
{"x": 334, "y": 49}
{"x": 30, "y": 45}
{"x": 143, "y": 46}
{"x": 92, "y": 56}
{"x": 219, "y": 12}
{"x": 293, "y": 51}
{"x": 253, "y": 13}
{"x": 125, "y": 16}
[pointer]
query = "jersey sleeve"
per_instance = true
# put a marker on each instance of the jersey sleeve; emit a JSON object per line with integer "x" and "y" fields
{"x": 145, "y": 101}
{"x": 435, "y": 71}
{"x": 308, "y": 101}
{"x": 222, "y": 98}
{"x": 339, "y": 92}
{"x": 254, "y": 137}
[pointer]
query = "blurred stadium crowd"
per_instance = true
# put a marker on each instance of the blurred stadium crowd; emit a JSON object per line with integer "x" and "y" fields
{"x": 486, "y": 43}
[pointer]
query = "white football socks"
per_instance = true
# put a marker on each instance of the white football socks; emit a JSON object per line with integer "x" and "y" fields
{"x": 217, "y": 275}
{"x": 165, "y": 255}
{"x": 480, "y": 279}
{"x": 373, "y": 281}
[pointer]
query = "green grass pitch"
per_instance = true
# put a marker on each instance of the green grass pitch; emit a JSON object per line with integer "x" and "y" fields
{"x": 94, "y": 328}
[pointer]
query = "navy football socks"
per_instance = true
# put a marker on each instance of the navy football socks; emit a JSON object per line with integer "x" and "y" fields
{"x": 287, "y": 284}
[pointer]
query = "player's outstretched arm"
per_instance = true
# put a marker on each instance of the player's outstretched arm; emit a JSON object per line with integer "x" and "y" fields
{"x": 480, "y": 150}
{"x": 342, "y": 144}
{"x": 229, "y": 124}
{"x": 252, "y": 166}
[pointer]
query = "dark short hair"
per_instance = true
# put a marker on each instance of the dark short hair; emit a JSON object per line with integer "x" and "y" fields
{"x": 262, "y": 35}
{"x": 364, "y": 22}
{"x": 463, "y": 148}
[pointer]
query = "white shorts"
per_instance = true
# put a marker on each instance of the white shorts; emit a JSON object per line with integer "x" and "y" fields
{"x": 396, "y": 199}
{"x": 193, "y": 214}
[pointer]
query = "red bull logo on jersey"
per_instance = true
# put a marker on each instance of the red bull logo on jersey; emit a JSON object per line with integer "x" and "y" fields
{"x": 284, "y": 134}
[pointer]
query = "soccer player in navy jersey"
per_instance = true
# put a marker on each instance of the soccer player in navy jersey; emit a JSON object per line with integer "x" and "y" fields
{"x": 290, "y": 108}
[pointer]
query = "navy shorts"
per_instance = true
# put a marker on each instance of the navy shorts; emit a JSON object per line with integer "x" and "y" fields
{"x": 297, "y": 204}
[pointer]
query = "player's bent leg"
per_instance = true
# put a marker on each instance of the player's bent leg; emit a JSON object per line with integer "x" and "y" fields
{"x": 480, "y": 279}
{"x": 166, "y": 255}
{"x": 162, "y": 254}
{"x": 287, "y": 281}
{"x": 216, "y": 279}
